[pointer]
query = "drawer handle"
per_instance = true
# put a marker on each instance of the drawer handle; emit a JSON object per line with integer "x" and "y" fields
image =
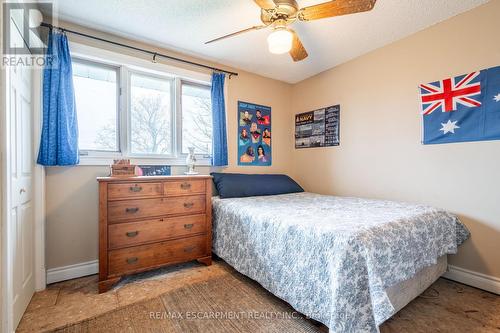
{"x": 188, "y": 204}
{"x": 188, "y": 226}
{"x": 135, "y": 188}
{"x": 185, "y": 186}
{"x": 132, "y": 260}
{"x": 132, "y": 210}
{"x": 132, "y": 233}
{"x": 189, "y": 249}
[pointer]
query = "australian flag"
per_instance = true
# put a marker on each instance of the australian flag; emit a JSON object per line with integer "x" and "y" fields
{"x": 462, "y": 108}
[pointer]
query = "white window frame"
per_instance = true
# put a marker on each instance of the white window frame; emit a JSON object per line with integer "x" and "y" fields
{"x": 117, "y": 69}
{"x": 173, "y": 110}
{"x": 179, "y": 123}
{"x": 132, "y": 64}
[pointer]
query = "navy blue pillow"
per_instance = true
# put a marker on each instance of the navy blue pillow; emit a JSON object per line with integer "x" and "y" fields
{"x": 237, "y": 185}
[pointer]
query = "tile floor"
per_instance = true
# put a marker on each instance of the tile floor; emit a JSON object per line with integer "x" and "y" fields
{"x": 458, "y": 308}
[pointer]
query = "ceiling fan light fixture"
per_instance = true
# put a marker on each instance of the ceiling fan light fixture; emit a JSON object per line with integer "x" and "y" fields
{"x": 280, "y": 41}
{"x": 281, "y": 14}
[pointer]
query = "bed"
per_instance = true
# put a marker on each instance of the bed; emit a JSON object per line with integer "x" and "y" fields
{"x": 349, "y": 263}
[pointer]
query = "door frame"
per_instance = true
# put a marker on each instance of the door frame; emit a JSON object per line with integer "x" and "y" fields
{"x": 7, "y": 306}
{"x": 3, "y": 185}
{"x": 38, "y": 197}
{"x": 38, "y": 184}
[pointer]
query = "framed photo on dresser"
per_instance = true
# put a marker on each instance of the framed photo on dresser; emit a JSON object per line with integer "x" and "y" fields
{"x": 254, "y": 134}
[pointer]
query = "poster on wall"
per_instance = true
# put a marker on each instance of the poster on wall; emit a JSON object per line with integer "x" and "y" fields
{"x": 254, "y": 134}
{"x": 318, "y": 128}
{"x": 462, "y": 108}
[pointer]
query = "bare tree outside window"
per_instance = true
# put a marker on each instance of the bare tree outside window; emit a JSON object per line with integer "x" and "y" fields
{"x": 196, "y": 119}
{"x": 150, "y": 112}
{"x": 150, "y": 125}
{"x": 106, "y": 137}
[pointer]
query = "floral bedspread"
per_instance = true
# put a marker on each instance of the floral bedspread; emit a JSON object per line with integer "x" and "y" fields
{"x": 332, "y": 258}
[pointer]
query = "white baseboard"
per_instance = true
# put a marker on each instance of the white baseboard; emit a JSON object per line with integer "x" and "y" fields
{"x": 72, "y": 271}
{"x": 462, "y": 275}
{"x": 474, "y": 279}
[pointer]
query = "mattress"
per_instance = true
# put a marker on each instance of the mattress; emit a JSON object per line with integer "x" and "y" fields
{"x": 334, "y": 259}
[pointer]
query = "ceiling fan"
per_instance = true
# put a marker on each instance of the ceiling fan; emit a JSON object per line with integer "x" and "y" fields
{"x": 279, "y": 14}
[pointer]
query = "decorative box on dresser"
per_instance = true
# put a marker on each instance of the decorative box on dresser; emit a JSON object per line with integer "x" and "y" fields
{"x": 148, "y": 222}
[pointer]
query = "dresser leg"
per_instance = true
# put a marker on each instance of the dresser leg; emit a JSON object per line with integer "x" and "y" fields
{"x": 107, "y": 284}
{"x": 205, "y": 260}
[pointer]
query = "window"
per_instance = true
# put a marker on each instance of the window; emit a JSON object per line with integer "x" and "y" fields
{"x": 141, "y": 113}
{"x": 150, "y": 115}
{"x": 96, "y": 94}
{"x": 196, "y": 118}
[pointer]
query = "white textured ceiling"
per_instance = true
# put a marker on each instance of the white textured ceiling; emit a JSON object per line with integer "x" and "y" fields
{"x": 184, "y": 25}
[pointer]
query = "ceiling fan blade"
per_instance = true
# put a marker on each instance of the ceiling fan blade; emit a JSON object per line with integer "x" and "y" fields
{"x": 257, "y": 27}
{"x": 298, "y": 52}
{"x": 265, "y": 4}
{"x": 335, "y": 8}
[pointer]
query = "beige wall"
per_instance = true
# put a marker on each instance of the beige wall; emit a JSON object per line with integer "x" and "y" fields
{"x": 381, "y": 155}
{"x": 71, "y": 192}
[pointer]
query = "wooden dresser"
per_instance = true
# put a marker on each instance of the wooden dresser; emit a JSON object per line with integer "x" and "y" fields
{"x": 148, "y": 222}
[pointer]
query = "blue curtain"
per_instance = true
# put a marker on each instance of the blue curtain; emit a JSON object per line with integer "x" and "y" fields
{"x": 219, "y": 138}
{"x": 59, "y": 142}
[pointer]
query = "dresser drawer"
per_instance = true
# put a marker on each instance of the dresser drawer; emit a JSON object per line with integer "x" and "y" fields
{"x": 131, "y": 190}
{"x": 134, "y": 233}
{"x": 134, "y": 209}
{"x": 141, "y": 208}
{"x": 184, "y": 187}
{"x": 139, "y": 257}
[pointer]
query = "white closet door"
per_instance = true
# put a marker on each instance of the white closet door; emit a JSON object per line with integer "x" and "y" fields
{"x": 20, "y": 226}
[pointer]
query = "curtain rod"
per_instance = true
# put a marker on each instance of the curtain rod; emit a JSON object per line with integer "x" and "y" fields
{"x": 154, "y": 54}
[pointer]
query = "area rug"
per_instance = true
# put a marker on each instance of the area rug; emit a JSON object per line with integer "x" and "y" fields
{"x": 232, "y": 303}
